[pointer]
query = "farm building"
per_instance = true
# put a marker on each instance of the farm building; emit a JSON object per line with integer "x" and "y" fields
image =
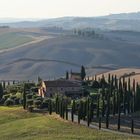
{"x": 71, "y": 88}
{"x": 75, "y": 76}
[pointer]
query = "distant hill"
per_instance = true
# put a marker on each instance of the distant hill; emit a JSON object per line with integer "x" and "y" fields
{"x": 52, "y": 57}
{"x": 124, "y": 21}
{"x": 124, "y": 16}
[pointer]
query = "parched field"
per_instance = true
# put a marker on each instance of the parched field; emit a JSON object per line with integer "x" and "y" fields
{"x": 17, "y": 124}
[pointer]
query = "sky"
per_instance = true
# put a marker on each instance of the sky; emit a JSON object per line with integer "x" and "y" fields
{"x": 60, "y": 8}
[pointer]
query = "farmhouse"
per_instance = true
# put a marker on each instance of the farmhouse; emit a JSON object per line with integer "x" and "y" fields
{"x": 71, "y": 88}
{"x": 75, "y": 76}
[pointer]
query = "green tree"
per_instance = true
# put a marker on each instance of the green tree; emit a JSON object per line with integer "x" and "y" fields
{"x": 67, "y": 75}
{"x": 83, "y": 73}
{"x": 24, "y": 97}
{"x": 137, "y": 99}
{"x": 1, "y": 91}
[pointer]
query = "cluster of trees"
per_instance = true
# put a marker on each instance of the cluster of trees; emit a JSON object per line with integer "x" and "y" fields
{"x": 33, "y": 101}
{"x": 115, "y": 97}
{"x": 119, "y": 87}
{"x": 11, "y": 93}
{"x": 87, "y": 32}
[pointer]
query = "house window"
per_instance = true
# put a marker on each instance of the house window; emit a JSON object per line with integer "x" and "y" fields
{"x": 61, "y": 88}
{"x": 50, "y": 89}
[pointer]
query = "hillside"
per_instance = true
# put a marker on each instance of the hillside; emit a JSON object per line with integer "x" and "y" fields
{"x": 10, "y": 38}
{"x": 55, "y": 53}
{"x": 131, "y": 73}
{"x": 22, "y": 125}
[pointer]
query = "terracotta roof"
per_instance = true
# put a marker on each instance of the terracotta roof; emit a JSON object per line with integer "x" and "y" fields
{"x": 62, "y": 83}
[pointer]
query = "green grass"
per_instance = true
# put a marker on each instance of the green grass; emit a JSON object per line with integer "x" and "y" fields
{"x": 17, "y": 124}
{"x": 13, "y": 39}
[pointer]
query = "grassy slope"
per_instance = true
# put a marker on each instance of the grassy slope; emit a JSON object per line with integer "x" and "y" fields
{"x": 13, "y": 39}
{"x": 16, "y": 124}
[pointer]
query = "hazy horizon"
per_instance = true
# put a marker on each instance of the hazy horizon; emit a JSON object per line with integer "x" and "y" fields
{"x": 40, "y": 9}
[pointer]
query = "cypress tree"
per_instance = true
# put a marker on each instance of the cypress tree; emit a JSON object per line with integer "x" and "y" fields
{"x": 137, "y": 98}
{"x": 91, "y": 110}
{"x": 60, "y": 107}
{"x": 50, "y": 106}
{"x": 134, "y": 94}
{"x": 114, "y": 103}
{"x": 13, "y": 82}
{"x": 103, "y": 107}
{"x": 107, "y": 113}
{"x": 109, "y": 78}
{"x": 103, "y": 101}
{"x": 1, "y": 91}
{"x": 131, "y": 101}
{"x": 123, "y": 82}
{"x": 99, "y": 122}
{"x": 8, "y": 83}
{"x": 67, "y": 75}
{"x": 116, "y": 82}
{"x": 84, "y": 110}
{"x": 79, "y": 111}
{"x": 24, "y": 97}
{"x": 66, "y": 110}
{"x": 98, "y": 100}
{"x": 128, "y": 96}
{"x": 57, "y": 104}
{"x": 112, "y": 84}
{"x": 120, "y": 91}
{"x": 72, "y": 110}
{"x": 119, "y": 112}
{"x": 132, "y": 126}
{"x": 117, "y": 90}
{"x": 124, "y": 97}
{"x": 88, "y": 111}
{"x": 4, "y": 85}
{"x": 83, "y": 73}
{"x": 63, "y": 108}
{"x": 95, "y": 78}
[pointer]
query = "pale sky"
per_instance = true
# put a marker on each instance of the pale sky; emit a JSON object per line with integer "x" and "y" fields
{"x": 60, "y": 8}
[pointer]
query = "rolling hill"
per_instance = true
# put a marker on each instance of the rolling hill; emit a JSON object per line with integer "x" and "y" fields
{"x": 123, "y": 21}
{"x": 131, "y": 73}
{"x": 51, "y": 57}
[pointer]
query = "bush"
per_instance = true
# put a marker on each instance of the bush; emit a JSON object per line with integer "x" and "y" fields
{"x": 29, "y": 96}
{"x": 19, "y": 95}
{"x": 13, "y": 97}
{"x": 37, "y": 103}
{"x": 9, "y": 102}
{"x": 35, "y": 96}
{"x": 17, "y": 101}
{"x": 95, "y": 84}
{"x": 2, "y": 101}
{"x": 45, "y": 103}
{"x": 39, "y": 98}
{"x": 29, "y": 102}
{"x": 5, "y": 97}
